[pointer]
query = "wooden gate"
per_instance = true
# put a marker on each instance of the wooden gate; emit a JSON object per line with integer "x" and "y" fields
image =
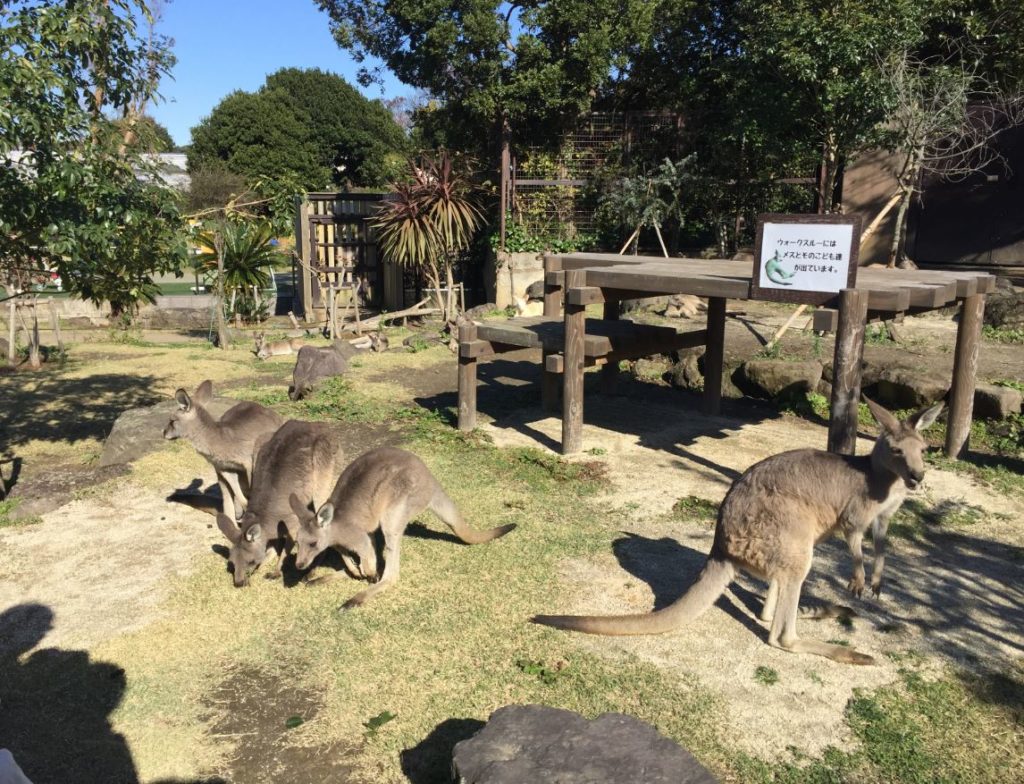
{"x": 336, "y": 247}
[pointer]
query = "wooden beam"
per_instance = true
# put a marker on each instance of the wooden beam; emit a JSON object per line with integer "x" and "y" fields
{"x": 965, "y": 370}
{"x": 572, "y": 377}
{"x": 467, "y": 379}
{"x": 714, "y": 358}
{"x": 475, "y": 348}
{"x": 842, "y": 426}
{"x": 584, "y": 295}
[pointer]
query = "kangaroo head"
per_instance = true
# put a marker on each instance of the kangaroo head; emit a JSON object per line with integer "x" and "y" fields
{"x": 262, "y": 349}
{"x": 248, "y": 545}
{"x": 900, "y": 446}
{"x": 185, "y": 420}
{"x": 314, "y": 531}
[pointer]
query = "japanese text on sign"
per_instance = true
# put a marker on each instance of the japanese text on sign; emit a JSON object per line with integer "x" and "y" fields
{"x": 805, "y": 256}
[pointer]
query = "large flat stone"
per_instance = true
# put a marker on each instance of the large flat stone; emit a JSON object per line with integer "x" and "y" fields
{"x": 996, "y": 402}
{"x": 139, "y": 431}
{"x": 536, "y": 743}
{"x": 779, "y": 378}
{"x": 902, "y": 387}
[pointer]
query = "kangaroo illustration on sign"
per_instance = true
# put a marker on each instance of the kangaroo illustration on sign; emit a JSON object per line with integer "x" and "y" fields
{"x": 775, "y": 271}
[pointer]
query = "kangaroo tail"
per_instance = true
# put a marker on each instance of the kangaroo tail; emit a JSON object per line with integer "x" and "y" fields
{"x": 711, "y": 583}
{"x": 444, "y": 507}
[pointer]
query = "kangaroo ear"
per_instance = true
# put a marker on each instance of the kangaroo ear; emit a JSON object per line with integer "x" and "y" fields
{"x": 301, "y": 510}
{"x": 252, "y": 533}
{"x": 204, "y": 392}
{"x": 883, "y": 416}
{"x": 184, "y": 401}
{"x": 325, "y": 514}
{"x": 925, "y": 418}
{"x": 228, "y": 528}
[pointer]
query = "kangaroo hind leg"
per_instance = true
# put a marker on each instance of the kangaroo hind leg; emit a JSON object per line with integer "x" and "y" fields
{"x": 392, "y": 525}
{"x": 783, "y": 629}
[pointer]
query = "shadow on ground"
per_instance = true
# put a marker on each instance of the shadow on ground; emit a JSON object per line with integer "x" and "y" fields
{"x": 430, "y": 760}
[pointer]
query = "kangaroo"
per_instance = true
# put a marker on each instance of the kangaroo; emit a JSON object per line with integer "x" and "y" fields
{"x": 300, "y": 460}
{"x": 278, "y": 348}
{"x": 384, "y": 488}
{"x": 772, "y": 517}
{"x": 228, "y": 443}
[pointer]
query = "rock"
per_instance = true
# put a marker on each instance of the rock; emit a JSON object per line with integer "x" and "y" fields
{"x": 478, "y": 312}
{"x": 647, "y": 304}
{"x": 536, "y": 743}
{"x": 996, "y": 402}
{"x": 315, "y": 364}
{"x": 648, "y": 369}
{"x": 1004, "y": 307}
{"x": 424, "y": 339}
{"x": 684, "y": 306}
{"x": 778, "y": 378}
{"x": 139, "y": 431}
{"x": 869, "y": 373}
{"x": 687, "y": 372}
{"x": 825, "y": 389}
{"x": 535, "y": 290}
{"x": 902, "y": 387}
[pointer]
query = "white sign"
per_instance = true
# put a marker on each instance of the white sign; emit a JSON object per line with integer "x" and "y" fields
{"x": 806, "y": 256}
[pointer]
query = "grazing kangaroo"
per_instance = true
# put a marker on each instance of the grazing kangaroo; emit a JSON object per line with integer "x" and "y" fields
{"x": 384, "y": 488}
{"x": 772, "y": 517}
{"x": 278, "y": 348}
{"x": 300, "y": 460}
{"x": 228, "y": 443}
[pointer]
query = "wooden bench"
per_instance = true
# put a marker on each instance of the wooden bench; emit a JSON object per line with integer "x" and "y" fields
{"x": 606, "y": 342}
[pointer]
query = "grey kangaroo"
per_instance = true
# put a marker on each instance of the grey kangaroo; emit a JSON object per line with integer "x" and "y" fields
{"x": 302, "y": 460}
{"x": 772, "y": 517}
{"x": 228, "y": 443}
{"x": 383, "y": 488}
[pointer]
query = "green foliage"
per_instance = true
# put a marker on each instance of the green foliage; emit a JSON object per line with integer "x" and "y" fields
{"x": 73, "y": 200}
{"x": 308, "y": 125}
{"x": 213, "y": 186}
{"x": 376, "y": 722}
{"x": 248, "y": 256}
{"x": 647, "y": 200}
{"x": 518, "y": 239}
{"x": 546, "y": 674}
{"x": 766, "y": 675}
{"x": 1003, "y": 334}
{"x": 356, "y": 138}
{"x": 536, "y": 65}
{"x": 261, "y": 134}
{"x": 147, "y": 134}
{"x": 692, "y": 507}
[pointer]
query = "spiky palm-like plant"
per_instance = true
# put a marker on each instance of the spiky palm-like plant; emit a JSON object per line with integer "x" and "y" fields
{"x": 431, "y": 219}
{"x": 247, "y": 253}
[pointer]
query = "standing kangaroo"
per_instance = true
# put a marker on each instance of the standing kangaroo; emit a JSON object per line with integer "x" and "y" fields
{"x": 383, "y": 488}
{"x": 300, "y": 460}
{"x": 772, "y": 517}
{"x": 278, "y": 348}
{"x": 228, "y": 443}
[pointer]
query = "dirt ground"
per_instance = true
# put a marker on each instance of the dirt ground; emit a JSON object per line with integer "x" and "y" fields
{"x": 955, "y": 594}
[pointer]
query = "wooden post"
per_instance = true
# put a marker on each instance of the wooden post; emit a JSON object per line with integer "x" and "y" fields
{"x": 55, "y": 325}
{"x": 12, "y": 332}
{"x": 610, "y": 370}
{"x": 965, "y": 369}
{"x": 304, "y": 249}
{"x": 846, "y": 370}
{"x": 35, "y": 360}
{"x": 714, "y": 357}
{"x": 506, "y": 164}
{"x": 550, "y": 382}
{"x": 572, "y": 376}
{"x": 467, "y": 380}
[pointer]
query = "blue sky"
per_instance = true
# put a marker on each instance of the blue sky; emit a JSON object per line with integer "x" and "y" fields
{"x": 225, "y": 45}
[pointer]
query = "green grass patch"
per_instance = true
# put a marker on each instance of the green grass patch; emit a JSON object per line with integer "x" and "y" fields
{"x": 1002, "y": 334}
{"x": 690, "y": 507}
{"x": 766, "y": 676}
{"x": 7, "y": 507}
{"x": 915, "y": 516}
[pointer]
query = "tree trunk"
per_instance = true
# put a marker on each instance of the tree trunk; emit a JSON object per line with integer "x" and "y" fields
{"x": 222, "y": 330}
{"x": 34, "y": 360}
{"x": 434, "y": 276}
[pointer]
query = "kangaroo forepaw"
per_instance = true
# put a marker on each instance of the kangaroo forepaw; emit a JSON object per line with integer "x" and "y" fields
{"x": 876, "y": 588}
{"x": 273, "y": 575}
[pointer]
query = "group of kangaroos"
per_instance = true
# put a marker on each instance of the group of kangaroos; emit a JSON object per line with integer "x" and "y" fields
{"x": 288, "y": 484}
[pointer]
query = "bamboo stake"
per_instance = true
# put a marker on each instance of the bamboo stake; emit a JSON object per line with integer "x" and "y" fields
{"x": 629, "y": 242}
{"x": 664, "y": 250}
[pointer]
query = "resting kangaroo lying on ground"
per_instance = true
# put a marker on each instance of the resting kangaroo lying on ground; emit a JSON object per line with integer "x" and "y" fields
{"x": 301, "y": 459}
{"x": 771, "y": 519}
{"x": 383, "y": 488}
{"x": 228, "y": 443}
{"x": 277, "y": 348}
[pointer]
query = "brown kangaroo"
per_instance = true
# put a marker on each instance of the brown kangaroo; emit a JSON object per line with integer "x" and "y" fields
{"x": 276, "y": 348}
{"x": 300, "y": 459}
{"x": 228, "y": 443}
{"x": 772, "y": 517}
{"x": 384, "y": 488}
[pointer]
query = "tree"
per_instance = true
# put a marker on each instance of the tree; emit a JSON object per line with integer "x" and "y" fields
{"x": 357, "y": 139}
{"x": 430, "y": 220}
{"x": 307, "y": 124}
{"x": 945, "y": 120}
{"x": 262, "y": 134}
{"x": 147, "y": 135}
{"x": 533, "y": 67}
{"x": 70, "y": 197}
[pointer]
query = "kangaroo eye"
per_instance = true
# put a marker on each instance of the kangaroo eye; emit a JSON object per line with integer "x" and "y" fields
{"x": 896, "y": 451}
